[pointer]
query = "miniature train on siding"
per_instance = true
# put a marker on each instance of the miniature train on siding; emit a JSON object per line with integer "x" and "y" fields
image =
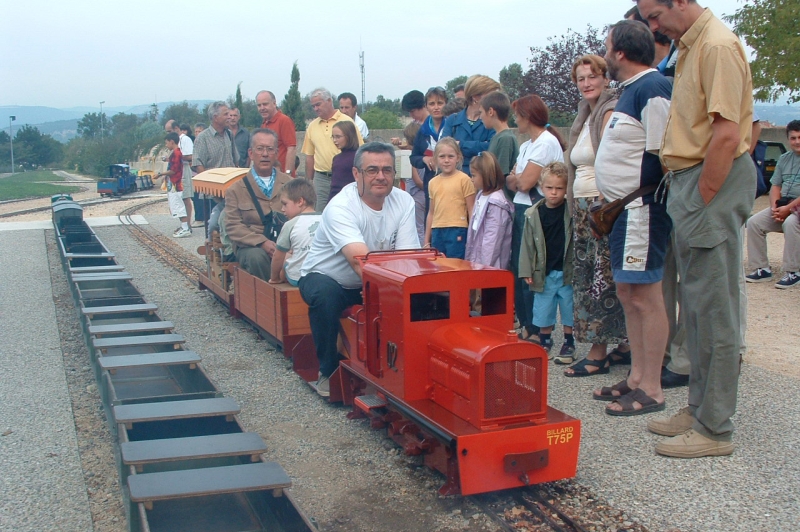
{"x": 121, "y": 181}
{"x": 448, "y": 383}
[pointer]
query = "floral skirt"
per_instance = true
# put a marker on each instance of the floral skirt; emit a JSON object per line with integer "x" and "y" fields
{"x": 599, "y": 318}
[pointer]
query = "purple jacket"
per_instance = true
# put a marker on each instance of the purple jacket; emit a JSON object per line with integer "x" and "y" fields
{"x": 490, "y": 244}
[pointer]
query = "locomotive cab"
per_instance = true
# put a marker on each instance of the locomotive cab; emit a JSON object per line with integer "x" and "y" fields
{"x": 441, "y": 329}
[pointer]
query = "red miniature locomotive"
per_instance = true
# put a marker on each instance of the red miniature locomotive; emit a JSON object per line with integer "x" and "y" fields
{"x": 449, "y": 378}
{"x": 431, "y": 356}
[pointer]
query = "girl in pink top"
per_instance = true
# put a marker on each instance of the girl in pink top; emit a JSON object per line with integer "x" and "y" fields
{"x": 489, "y": 232}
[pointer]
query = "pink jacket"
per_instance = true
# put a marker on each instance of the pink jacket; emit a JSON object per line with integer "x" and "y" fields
{"x": 490, "y": 244}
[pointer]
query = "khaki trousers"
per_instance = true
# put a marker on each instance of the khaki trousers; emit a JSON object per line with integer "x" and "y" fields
{"x": 708, "y": 252}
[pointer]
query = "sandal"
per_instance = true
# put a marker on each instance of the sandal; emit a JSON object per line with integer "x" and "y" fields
{"x": 579, "y": 369}
{"x": 607, "y": 392}
{"x": 619, "y": 358}
{"x": 648, "y": 404}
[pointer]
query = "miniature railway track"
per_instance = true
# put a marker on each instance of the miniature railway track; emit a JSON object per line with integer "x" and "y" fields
{"x": 160, "y": 246}
{"x": 526, "y": 509}
{"x": 534, "y": 509}
{"x": 47, "y": 208}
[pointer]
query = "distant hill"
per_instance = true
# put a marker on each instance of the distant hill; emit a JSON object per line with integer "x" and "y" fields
{"x": 780, "y": 115}
{"x": 62, "y": 124}
{"x": 61, "y": 130}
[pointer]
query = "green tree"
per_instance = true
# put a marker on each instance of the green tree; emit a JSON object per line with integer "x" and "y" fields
{"x": 182, "y": 113}
{"x": 237, "y": 102}
{"x": 378, "y": 118}
{"x": 292, "y": 104}
{"x": 152, "y": 113}
{"x": 393, "y": 106}
{"x": 550, "y": 68}
{"x": 452, "y": 84}
{"x": 770, "y": 28}
{"x": 122, "y": 123}
{"x": 32, "y": 148}
{"x": 513, "y": 80}
{"x": 250, "y": 116}
{"x": 89, "y": 126}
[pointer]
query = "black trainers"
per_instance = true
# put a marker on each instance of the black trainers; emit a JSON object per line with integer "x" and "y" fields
{"x": 789, "y": 280}
{"x": 761, "y": 275}
{"x": 548, "y": 346}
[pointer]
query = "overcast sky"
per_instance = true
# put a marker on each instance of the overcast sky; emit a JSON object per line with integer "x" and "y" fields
{"x": 78, "y": 53}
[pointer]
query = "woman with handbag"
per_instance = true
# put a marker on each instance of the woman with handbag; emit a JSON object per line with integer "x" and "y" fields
{"x": 599, "y": 317}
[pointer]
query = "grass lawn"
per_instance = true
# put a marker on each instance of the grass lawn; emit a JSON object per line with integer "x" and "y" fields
{"x": 32, "y": 185}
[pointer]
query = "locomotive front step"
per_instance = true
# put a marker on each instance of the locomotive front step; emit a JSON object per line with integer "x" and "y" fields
{"x": 370, "y": 402}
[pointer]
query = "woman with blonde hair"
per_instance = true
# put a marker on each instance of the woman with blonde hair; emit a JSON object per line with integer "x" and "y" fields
{"x": 466, "y": 126}
{"x": 599, "y": 318}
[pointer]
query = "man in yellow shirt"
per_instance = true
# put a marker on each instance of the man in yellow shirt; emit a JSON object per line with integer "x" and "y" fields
{"x": 712, "y": 186}
{"x": 318, "y": 145}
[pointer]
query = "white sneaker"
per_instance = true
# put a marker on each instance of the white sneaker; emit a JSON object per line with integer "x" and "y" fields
{"x": 324, "y": 387}
{"x": 183, "y": 233}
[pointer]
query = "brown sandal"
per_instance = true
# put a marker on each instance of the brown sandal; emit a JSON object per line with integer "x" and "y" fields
{"x": 636, "y": 396}
{"x": 607, "y": 392}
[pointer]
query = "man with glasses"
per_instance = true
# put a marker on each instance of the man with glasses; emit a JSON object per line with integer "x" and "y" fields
{"x": 242, "y": 221}
{"x": 368, "y": 215}
{"x": 318, "y": 145}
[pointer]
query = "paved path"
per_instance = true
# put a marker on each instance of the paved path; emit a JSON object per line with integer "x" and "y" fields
{"x": 41, "y": 481}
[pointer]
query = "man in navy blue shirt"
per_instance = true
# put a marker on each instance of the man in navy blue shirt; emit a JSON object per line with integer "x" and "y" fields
{"x": 627, "y": 160}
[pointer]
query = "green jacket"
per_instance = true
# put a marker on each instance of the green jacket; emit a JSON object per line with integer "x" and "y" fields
{"x": 533, "y": 250}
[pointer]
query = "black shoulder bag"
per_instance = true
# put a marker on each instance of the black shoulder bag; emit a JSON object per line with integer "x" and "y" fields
{"x": 273, "y": 222}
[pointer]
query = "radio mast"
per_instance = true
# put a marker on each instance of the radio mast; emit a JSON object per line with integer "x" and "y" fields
{"x": 363, "y": 82}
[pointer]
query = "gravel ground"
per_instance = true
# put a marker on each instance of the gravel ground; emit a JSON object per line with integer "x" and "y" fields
{"x": 345, "y": 474}
{"x": 41, "y": 485}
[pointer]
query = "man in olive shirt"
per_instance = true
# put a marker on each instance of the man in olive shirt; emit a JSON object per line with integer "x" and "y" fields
{"x": 318, "y": 145}
{"x": 712, "y": 186}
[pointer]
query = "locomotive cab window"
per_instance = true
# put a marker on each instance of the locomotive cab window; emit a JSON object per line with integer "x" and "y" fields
{"x": 487, "y": 301}
{"x": 430, "y": 306}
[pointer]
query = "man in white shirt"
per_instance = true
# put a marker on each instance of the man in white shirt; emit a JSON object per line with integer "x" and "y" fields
{"x": 348, "y": 104}
{"x": 368, "y": 215}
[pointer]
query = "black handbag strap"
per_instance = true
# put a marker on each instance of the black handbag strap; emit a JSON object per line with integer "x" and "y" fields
{"x": 255, "y": 200}
{"x": 638, "y": 193}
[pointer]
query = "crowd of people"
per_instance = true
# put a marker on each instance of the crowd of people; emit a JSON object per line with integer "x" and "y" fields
{"x": 669, "y": 143}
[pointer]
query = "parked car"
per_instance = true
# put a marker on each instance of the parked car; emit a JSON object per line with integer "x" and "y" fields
{"x": 774, "y": 151}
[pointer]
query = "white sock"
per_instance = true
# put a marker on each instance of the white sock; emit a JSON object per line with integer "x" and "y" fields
{"x": 185, "y": 225}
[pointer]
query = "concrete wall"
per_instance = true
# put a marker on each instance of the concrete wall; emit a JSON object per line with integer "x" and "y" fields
{"x": 775, "y": 134}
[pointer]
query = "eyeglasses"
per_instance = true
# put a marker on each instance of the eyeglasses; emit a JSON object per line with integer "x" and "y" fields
{"x": 264, "y": 149}
{"x": 373, "y": 171}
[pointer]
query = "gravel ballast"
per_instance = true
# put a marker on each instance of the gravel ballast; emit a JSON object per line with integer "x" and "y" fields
{"x": 755, "y": 489}
{"x": 348, "y": 477}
